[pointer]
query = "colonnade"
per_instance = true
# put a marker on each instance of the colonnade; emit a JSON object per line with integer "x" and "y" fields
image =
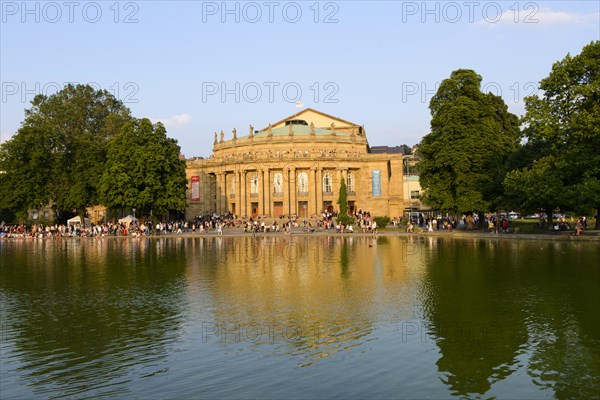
{"x": 236, "y": 193}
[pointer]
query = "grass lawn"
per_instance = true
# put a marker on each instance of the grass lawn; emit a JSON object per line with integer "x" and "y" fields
{"x": 527, "y": 226}
{"x": 532, "y": 225}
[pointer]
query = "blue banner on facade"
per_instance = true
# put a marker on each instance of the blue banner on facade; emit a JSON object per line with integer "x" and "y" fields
{"x": 376, "y": 182}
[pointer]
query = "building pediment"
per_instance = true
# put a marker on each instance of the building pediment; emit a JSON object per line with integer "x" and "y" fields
{"x": 319, "y": 120}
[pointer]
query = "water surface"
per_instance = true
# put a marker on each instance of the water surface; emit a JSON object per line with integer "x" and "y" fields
{"x": 299, "y": 317}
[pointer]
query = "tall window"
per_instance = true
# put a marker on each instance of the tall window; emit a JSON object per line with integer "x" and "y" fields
{"x": 254, "y": 183}
{"x": 278, "y": 183}
{"x": 232, "y": 185}
{"x": 302, "y": 182}
{"x": 327, "y": 182}
{"x": 350, "y": 182}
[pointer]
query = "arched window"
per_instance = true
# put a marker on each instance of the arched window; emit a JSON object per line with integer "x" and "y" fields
{"x": 350, "y": 182}
{"x": 278, "y": 183}
{"x": 254, "y": 183}
{"x": 302, "y": 182}
{"x": 327, "y": 188}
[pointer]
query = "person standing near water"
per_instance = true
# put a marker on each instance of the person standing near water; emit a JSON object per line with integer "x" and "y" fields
{"x": 579, "y": 227}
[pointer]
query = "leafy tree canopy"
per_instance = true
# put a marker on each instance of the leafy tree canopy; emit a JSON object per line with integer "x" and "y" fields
{"x": 465, "y": 157}
{"x": 59, "y": 153}
{"x": 562, "y": 128}
{"x": 144, "y": 170}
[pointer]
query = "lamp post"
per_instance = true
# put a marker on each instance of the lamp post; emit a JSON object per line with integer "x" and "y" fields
{"x": 133, "y": 213}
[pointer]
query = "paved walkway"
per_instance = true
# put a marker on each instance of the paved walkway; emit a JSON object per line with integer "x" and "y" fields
{"x": 588, "y": 236}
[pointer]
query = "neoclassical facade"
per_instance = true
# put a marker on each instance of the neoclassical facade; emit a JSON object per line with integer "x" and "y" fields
{"x": 295, "y": 167}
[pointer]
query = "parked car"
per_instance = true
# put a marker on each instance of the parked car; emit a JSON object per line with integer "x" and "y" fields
{"x": 536, "y": 216}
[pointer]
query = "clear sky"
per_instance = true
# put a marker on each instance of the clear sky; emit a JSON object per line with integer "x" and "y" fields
{"x": 202, "y": 66}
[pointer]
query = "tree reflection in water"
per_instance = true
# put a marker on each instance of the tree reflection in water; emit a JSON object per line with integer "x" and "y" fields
{"x": 496, "y": 307}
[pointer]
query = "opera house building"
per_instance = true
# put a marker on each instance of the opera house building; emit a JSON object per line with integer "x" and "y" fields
{"x": 294, "y": 167}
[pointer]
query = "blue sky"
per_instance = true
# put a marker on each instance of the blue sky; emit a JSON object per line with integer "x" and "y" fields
{"x": 202, "y": 67}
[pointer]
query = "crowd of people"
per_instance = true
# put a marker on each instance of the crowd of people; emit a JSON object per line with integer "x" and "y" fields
{"x": 134, "y": 229}
{"x": 362, "y": 221}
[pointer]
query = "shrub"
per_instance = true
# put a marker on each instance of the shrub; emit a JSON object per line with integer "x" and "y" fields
{"x": 382, "y": 222}
{"x": 345, "y": 219}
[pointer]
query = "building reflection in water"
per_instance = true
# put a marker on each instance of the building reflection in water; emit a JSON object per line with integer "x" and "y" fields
{"x": 312, "y": 297}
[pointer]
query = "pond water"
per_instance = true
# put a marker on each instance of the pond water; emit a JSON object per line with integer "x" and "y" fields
{"x": 299, "y": 317}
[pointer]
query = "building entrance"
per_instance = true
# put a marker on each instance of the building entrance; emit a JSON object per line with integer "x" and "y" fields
{"x": 303, "y": 209}
{"x": 278, "y": 209}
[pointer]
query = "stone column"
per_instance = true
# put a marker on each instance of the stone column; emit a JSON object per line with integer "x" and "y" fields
{"x": 313, "y": 208}
{"x": 218, "y": 192}
{"x": 335, "y": 187}
{"x": 238, "y": 193}
{"x": 268, "y": 203}
{"x": 319, "y": 191}
{"x": 361, "y": 186}
{"x": 261, "y": 192}
{"x": 293, "y": 191}
{"x": 243, "y": 202}
{"x": 224, "y": 193}
{"x": 286, "y": 191}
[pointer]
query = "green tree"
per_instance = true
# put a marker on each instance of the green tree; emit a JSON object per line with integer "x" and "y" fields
{"x": 26, "y": 161}
{"x": 144, "y": 170}
{"x": 59, "y": 153}
{"x": 538, "y": 186}
{"x": 465, "y": 156}
{"x": 342, "y": 202}
{"x": 343, "y": 198}
{"x": 562, "y": 128}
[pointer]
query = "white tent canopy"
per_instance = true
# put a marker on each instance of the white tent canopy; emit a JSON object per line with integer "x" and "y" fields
{"x": 128, "y": 219}
{"x": 77, "y": 221}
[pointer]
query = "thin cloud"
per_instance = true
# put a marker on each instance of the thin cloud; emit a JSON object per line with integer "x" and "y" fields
{"x": 174, "y": 121}
{"x": 538, "y": 17}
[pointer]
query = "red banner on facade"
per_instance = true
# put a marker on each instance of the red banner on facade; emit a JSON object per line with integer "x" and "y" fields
{"x": 195, "y": 188}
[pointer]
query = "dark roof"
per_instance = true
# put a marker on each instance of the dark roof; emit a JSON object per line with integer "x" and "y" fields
{"x": 387, "y": 150}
